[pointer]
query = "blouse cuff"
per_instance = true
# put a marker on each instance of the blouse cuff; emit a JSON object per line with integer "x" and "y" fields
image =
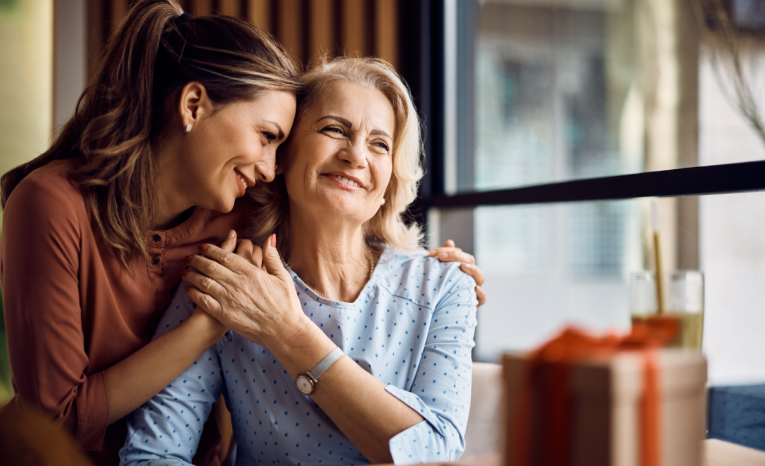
{"x": 424, "y": 442}
{"x": 414, "y": 402}
{"x": 92, "y": 412}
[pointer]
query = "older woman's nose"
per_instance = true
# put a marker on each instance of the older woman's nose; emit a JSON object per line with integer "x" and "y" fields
{"x": 356, "y": 154}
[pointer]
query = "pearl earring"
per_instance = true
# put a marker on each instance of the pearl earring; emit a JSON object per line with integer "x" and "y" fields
{"x": 383, "y": 202}
{"x": 188, "y": 128}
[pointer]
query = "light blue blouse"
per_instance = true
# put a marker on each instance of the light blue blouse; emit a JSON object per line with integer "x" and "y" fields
{"x": 412, "y": 327}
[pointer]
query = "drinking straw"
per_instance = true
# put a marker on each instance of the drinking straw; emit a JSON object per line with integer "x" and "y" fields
{"x": 657, "y": 257}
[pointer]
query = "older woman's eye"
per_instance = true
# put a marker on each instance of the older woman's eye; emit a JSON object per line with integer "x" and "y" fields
{"x": 334, "y": 129}
{"x": 382, "y": 145}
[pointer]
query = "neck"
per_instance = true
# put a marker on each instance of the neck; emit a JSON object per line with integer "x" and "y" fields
{"x": 172, "y": 208}
{"x": 330, "y": 257}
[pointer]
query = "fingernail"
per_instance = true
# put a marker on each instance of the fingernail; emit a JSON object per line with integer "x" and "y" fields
{"x": 188, "y": 288}
{"x": 431, "y": 253}
{"x": 203, "y": 247}
{"x": 184, "y": 272}
{"x": 443, "y": 255}
{"x": 188, "y": 259}
{"x": 273, "y": 240}
{"x": 231, "y": 234}
{"x": 467, "y": 266}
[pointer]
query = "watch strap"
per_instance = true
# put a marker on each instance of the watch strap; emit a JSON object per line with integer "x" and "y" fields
{"x": 328, "y": 360}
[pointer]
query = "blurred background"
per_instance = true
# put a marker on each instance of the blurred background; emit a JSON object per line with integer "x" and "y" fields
{"x": 513, "y": 93}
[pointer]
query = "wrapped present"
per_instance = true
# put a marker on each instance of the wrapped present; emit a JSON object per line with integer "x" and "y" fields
{"x": 581, "y": 400}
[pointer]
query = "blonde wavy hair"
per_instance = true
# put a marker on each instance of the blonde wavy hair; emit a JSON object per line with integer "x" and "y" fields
{"x": 271, "y": 207}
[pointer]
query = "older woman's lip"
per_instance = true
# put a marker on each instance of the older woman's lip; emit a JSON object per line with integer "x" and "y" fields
{"x": 345, "y": 175}
{"x": 336, "y": 180}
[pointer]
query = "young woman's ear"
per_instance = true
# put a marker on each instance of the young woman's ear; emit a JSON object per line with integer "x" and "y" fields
{"x": 194, "y": 105}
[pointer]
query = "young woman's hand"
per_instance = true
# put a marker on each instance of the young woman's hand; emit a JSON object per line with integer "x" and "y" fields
{"x": 256, "y": 300}
{"x": 228, "y": 245}
{"x": 450, "y": 253}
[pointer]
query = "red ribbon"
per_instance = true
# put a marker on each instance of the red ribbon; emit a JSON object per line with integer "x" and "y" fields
{"x": 548, "y": 375}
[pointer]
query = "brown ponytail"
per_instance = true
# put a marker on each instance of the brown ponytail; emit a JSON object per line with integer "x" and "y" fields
{"x": 129, "y": 102}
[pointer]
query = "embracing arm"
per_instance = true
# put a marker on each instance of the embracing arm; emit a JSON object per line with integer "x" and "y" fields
{"x": 170, "y": 424}
{"x": 41, "y": 251}
{"x": 262, "y": 306}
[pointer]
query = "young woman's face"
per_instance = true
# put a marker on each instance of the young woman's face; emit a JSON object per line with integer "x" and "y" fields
{"x": 339, "y": 161}
{"x": 232, "y": 148}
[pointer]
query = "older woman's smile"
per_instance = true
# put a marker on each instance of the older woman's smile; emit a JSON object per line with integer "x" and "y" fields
{"x": 345, "y": 181}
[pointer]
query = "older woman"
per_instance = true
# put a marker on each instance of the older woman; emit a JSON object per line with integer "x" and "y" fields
{"x": 359, "y": 349}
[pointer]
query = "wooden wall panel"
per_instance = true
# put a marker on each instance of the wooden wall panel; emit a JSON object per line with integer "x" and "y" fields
{"x": 353, "y": 29}
{"x": 307, "y": 29}
{"x": 259, "y": 13}
{"x": 230, "y": 7}
{"x": 386, "y": 30}
{"x": 201, "y": 7}
{"x": 289, "y": 30}
{"x": 322, "y": 28}
{"x": 117, "y": 8}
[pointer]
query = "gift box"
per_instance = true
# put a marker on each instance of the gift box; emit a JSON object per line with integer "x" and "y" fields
{"x": 617, "y": 405}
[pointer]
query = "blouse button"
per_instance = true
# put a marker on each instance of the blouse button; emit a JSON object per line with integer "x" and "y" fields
{"x": 154, "y": 260}
{"x": 156, "y": 238}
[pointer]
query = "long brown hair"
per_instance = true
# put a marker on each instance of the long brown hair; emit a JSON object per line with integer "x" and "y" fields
{"x": 128, "y": 105}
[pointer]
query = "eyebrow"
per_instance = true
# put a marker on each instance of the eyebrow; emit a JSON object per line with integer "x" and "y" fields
{"x": 374, "y": 132}
{"x": 281, "y": 132}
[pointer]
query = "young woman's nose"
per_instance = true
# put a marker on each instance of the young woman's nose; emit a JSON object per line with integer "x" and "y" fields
{"x": 265, "y": 168}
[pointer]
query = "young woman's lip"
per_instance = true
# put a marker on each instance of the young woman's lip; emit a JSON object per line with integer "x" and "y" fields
{"x": 250, "y": 181}
{"x": 347, "y": 176}
{"x": 239, "y": 184}
{"x": 335, "y": 180}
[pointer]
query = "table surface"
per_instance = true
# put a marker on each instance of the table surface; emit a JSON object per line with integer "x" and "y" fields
{"x": 716, "y": 453}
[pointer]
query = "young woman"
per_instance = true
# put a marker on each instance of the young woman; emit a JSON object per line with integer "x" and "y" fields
{"x": 181, "y": 117}
{"x": 397, "y": 325}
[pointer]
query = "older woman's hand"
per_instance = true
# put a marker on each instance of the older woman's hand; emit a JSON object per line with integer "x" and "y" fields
{"x": 450, "y": 253}
{"x": 256, "y": 300}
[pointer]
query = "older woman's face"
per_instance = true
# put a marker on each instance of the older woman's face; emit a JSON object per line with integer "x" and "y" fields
{"x": 339, "y": 160}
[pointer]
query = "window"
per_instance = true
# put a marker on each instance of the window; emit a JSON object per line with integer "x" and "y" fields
{"x": 553, "y": 125}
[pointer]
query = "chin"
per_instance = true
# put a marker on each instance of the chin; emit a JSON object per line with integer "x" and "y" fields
{"x": 223, "y": 206}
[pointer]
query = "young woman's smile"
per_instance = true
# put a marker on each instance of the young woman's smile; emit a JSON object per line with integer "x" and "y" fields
{"x": 228, "y": 149}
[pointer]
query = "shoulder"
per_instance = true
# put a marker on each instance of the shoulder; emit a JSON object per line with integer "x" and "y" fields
{"x": 423, "y": 280}
{"x": 48, "y": 192}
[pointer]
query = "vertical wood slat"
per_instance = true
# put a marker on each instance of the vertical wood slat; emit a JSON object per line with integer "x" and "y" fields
{"x": 201, "y": 7}
{"x": 288, "y": 30}
{"x": 386, "y": 31}
{"x": 353, "y": 27}
{"x": 259, "y": 14}
{"x": 229, "y": 7}
{"x": 96, "y": 33}
{"x": 118, "y": 11}
{"x": 321, "y": 27}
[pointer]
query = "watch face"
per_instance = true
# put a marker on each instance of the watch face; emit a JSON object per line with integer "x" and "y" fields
{"x": 304, "y": 384}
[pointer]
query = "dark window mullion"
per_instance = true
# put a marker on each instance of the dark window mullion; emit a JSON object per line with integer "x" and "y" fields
{"x": 695, "y": 181}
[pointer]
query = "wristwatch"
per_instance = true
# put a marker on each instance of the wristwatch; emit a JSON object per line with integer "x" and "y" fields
{"x": 306, "y": 383}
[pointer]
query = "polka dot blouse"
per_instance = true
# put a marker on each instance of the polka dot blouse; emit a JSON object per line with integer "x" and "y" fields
{"x": 411, "y": 327}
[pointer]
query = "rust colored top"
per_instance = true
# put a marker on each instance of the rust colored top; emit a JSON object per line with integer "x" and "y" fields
{"x": 72, "y": 310}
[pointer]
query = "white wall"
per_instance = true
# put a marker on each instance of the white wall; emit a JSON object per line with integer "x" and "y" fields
{"x": 732, "y": 237}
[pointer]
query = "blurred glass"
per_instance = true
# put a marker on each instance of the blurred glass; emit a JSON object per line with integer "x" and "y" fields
{"x": 642, "y": 294}
{"x": 685, "y": 300}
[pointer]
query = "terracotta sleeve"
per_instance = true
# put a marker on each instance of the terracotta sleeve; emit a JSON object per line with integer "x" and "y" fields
{"x": 41, "y": 242}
